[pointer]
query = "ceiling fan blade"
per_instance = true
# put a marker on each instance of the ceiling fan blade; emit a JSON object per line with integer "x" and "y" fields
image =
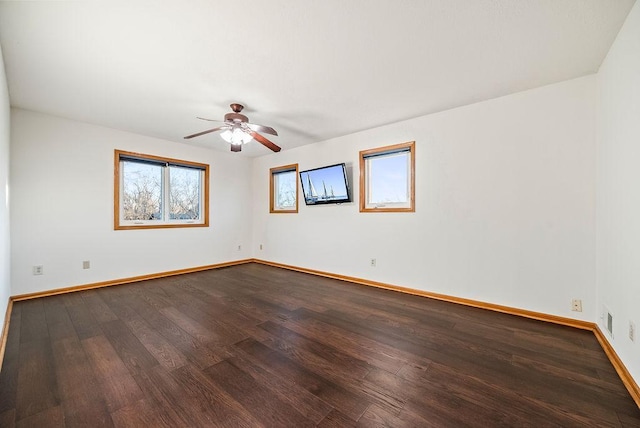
{"x": 205, "y": 132}
{"x": 261, "y": 128}
{"x": 210, "y": 120}
{"x": 262, "y": 140}
{"x": 236, "y": 147}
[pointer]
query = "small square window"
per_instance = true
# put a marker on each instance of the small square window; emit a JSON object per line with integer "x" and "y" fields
{"x": 283, "y": 189}
{"x": 387, "y": 179}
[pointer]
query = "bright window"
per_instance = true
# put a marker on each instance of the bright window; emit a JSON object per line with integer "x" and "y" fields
{"x": 155, "y": 192}
{"x": 283, "y": 189}
{"x": 387, "y": 179}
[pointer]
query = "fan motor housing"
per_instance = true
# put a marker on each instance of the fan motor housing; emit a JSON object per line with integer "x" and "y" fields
{"x": 235, "y": 117}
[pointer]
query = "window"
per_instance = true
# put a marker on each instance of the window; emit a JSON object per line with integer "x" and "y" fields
{"x": 387, "y": 179}
{"x": 156, "y": 192}
{"x": 283, "y": 189}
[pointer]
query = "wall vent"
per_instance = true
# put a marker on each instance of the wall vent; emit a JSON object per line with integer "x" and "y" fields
{"x": 608, "y": 321}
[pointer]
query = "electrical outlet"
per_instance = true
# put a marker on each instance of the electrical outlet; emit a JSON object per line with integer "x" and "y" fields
{"x": 632, "y": 331}
{"x": 261, "y": 246}
{"x": 373, "y": 262}
{"x": 576, "y": 305}
{"x": 38, "y": 270}
{"x": 239, "y": 247}
{"x": 86, "y": 264}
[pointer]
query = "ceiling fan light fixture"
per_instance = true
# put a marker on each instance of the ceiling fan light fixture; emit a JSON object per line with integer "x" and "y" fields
{"x": 236, "y": 136}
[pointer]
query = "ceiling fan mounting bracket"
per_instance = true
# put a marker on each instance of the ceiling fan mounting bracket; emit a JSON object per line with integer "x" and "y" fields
{"x": 237, "y": 108}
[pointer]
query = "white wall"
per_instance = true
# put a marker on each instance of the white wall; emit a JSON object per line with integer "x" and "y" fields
{"x": 505, "y": 205}
{"x": 5, "y": 241}
{"x": 618, "y": 191}
{"x": 62, "y": 207}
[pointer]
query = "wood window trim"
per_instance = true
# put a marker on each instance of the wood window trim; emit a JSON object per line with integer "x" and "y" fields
{"x": 272, "y": 172}
{"x": 411, "y": 146}
{"x": 116, "y": 191}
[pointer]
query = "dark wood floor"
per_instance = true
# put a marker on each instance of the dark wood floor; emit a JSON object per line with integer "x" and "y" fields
{"x": 253, "y": 345}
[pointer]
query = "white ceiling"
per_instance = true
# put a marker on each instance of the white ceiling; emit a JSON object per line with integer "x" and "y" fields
{"x": 313, "y": 70}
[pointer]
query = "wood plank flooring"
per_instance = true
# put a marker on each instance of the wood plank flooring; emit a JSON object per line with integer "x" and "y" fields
{"x": 254, "y": 345}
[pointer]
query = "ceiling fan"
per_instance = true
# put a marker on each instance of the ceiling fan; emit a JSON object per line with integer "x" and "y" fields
{"x": 238, "y": 131}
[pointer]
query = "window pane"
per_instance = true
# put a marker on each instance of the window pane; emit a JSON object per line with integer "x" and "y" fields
{"x": 184, "y": 193}
{"x": 156, "y": 192}
{"x": 388, "y": 178}
{"x": 285, "y": 190}
{"x": 142, "y": 191}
